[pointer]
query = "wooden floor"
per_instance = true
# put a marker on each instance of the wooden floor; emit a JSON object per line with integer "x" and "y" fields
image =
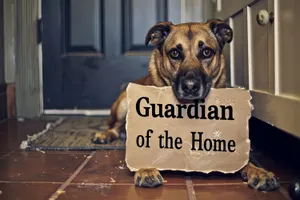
{"x": 103, "y": 174}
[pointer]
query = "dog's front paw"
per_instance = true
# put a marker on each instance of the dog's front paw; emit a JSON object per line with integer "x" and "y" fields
{"x": 259, "y": 178}
{"x": 103, "y": 137}
{"x": 149, "y": 177}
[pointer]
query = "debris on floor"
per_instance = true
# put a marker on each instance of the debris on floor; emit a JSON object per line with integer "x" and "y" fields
{"x": 40, "y": 151}
{"x": 61, "y": 191}
{"x": 112, "y": 180}
{"x": 19, "y": 119}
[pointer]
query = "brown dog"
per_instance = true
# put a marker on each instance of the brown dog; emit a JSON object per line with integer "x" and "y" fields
{"x": 189, "y": 57}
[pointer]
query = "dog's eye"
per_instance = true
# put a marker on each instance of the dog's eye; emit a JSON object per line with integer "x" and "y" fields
{"x": 174, "y": 54}
{"x": 207, "y": 53}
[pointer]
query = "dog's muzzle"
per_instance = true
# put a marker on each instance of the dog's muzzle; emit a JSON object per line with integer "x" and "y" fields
{"x": 191, "y": 85}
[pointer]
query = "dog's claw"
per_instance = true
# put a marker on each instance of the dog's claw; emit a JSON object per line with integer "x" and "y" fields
{"x": 138, "y": 180}
{"x": 102, "y": 138}
{"x": 253, "y": 183}
{"x": 244, "y": 176}
{"x": 148, "y": 178}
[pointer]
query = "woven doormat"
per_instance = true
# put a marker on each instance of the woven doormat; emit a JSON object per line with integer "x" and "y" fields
{"x": 72, "y": 133}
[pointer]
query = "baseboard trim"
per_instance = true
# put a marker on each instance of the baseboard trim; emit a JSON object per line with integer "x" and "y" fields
{"x": 102, "y": 112}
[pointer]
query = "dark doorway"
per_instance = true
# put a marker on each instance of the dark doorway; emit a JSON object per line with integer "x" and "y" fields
{"x": 3, "y": 98}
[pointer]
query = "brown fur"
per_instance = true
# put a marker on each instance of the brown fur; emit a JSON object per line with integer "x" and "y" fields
{"x": 213, "y": 34}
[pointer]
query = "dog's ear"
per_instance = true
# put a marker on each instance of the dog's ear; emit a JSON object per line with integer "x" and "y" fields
{"x": 221, "y": 30}
{"x": 158, "y": 33}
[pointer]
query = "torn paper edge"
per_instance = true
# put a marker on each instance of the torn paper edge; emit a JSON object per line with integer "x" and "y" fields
{"x": 25, "y": 143}
{"x": 168, "y": 87}
{"x": 132, "y": 169}
{"x": 126, "y": 124}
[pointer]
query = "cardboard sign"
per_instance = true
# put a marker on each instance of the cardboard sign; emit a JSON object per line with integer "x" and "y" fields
{"x": 201, "y": 136}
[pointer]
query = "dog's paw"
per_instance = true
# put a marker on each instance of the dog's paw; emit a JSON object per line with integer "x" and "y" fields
{"x": 148, "y": 178}
{"x": 102, "y": 137}
{"x": 259, "y": 178}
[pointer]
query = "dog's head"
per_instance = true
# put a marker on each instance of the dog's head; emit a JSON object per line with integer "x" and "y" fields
{"x": 190, "y": 56}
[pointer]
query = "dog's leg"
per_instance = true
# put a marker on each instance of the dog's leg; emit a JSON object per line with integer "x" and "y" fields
{"x": 259, "y": 178}
{"x": 116, "y": 121}
{"x": 148, "y": 177}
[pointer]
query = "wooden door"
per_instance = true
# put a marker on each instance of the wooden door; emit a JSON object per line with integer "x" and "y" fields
{"x": 92, "y": 47}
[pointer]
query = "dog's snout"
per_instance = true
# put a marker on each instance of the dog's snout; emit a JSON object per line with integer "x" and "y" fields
{"x": 190, "y": 85}
{"x": 190, "y": 74}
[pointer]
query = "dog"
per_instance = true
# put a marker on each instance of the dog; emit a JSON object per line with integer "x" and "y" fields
{"x": 189, "y": 57}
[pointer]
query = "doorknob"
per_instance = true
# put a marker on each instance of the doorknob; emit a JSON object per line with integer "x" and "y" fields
{"x": 263, "y": 17}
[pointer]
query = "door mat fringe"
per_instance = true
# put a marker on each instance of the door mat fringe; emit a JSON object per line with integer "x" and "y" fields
{"x": 49, "y": 126}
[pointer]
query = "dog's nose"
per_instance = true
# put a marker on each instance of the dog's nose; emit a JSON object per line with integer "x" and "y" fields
{"x": 190, "y": 84}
